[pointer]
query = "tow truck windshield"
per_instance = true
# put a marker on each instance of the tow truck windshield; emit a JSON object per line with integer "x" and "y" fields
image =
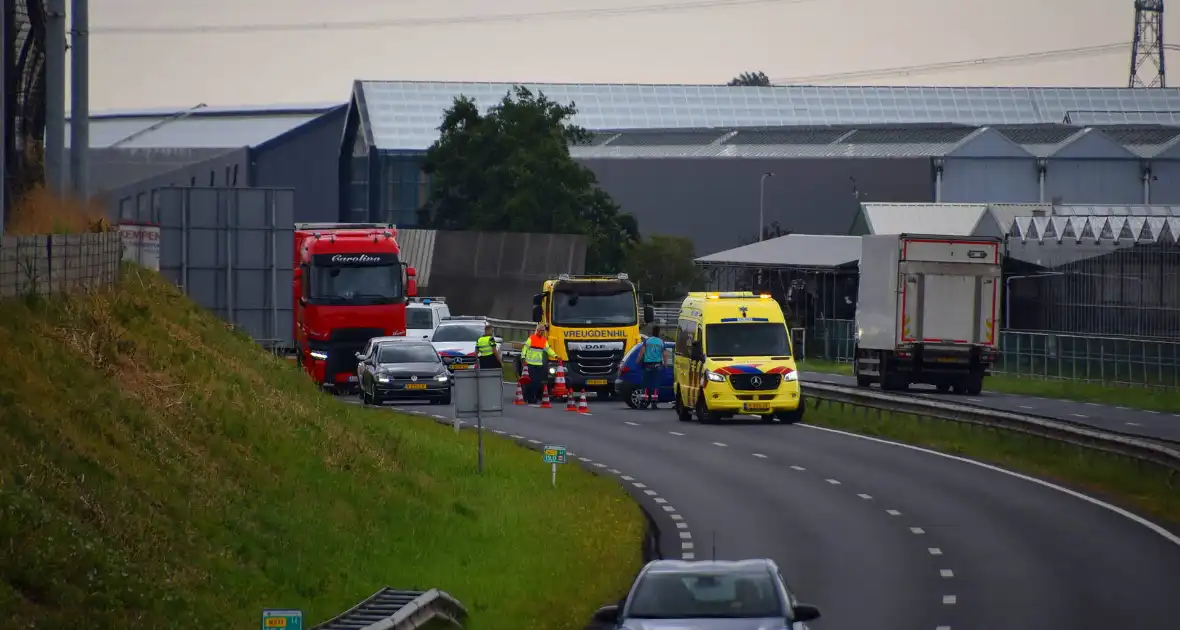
{"x": 597, "y": 308}
{"x": 746, "y": 340}
{"x": 361, "y": 284}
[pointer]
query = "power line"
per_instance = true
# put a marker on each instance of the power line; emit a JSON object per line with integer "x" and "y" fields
{"x": 950, "y": 66}
{"x": 231, "y": 29}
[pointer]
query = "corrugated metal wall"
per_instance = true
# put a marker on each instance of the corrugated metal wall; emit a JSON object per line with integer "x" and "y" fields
{"x": 490, "y": 273}
{"x": 230, "y": 250}
{"x": 994, "y": 180}
{"x": 1094, "y": 181}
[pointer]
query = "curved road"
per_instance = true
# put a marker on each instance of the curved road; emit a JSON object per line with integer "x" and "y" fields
{"x": 878, "y": 535}
{"x": 1157, "y": 425}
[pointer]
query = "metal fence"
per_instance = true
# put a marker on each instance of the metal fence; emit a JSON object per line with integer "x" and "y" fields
{"x": 1035, "y": 354}
{"x": 56, "y": 263}
{"x": 230, "y": 250}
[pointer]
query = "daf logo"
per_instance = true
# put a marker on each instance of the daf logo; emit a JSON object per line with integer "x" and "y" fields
{"x": 414, "y": 378}
{"x": 756, "y": 381}
{"x": 359, "y": 258}
{"x": 594, "y": 346}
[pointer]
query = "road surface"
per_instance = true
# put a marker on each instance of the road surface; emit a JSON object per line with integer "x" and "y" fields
{"x": 1152, "y": 424}
{"x": 878, "y": 535}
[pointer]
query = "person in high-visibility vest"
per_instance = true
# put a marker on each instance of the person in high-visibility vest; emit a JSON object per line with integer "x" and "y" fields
{"x": 489, "y": 353}
{"x": 533, "y": 356}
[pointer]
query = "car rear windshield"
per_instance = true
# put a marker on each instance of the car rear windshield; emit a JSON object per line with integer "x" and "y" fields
{"x": 741, "y": 595}
{"x": 401, "y": 352}
{"x": 419, "y": 318}
{"x": 747, "y": 339}
{"x": 458, "y": 333}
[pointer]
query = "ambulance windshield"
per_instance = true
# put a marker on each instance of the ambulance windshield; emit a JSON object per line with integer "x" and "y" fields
{"x": 753, "y": 339}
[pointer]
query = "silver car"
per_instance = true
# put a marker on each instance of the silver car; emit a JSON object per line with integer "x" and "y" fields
{"x": 710, "y": 595}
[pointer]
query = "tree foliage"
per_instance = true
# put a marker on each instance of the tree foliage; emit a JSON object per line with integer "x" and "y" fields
{"x": 663, "y": 266}
{"x": 750, "y": 79}
{"x": 774, "y": 229}
{"x": 510, "y": 170}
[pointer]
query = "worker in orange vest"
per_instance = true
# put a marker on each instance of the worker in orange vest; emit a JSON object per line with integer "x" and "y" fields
{"x": 533, "y": 356}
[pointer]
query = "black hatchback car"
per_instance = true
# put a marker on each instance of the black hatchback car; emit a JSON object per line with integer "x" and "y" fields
{"x": 405, "y": 370}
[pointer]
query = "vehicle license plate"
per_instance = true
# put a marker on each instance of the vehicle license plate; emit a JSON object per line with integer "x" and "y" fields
{"x": 596, "y": 381}
{"x": 756, "y": 407}
{"x": 416, "y": 386}
{"x": 460, "y": 366}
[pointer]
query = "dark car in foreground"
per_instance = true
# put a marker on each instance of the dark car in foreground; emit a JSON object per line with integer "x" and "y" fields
{"x": 709, "y": 595}
{"x": 405, "y": 370}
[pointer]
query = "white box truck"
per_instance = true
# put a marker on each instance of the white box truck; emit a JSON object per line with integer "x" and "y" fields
{"x": 927, "y": 311}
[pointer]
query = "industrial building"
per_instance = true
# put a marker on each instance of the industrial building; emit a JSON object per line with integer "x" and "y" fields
{"x": 135, "y": 152}
{"x": 678, "y": 157}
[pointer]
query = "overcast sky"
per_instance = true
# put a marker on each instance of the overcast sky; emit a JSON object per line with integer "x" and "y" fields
{"x": 671, "y": 44}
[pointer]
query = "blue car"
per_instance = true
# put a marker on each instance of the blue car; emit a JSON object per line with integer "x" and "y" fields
{"x": 629, "y": 382}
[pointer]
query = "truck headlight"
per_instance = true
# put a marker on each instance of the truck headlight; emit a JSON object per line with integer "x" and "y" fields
{"x": 552, "y": 371}
{"x": 791, "y": 377}
{"x": 715, "y": 377}
{"x": 316, "y": 354}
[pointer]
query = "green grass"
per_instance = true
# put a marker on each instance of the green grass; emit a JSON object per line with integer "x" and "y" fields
{"x": 1147, "y": 488}
{"x": 160, "y": 470}
{"x": 1135, "y": 397}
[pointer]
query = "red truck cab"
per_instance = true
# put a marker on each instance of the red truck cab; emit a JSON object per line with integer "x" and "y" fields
{"x": 350, "y": 285}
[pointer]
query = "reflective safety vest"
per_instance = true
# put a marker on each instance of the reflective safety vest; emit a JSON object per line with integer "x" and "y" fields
{"x": 535, "y": 350}
{"x": 485, "y": 346}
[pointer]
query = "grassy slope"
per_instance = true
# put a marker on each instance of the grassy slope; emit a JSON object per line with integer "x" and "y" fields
{"x": 158, "y": 470}
{"x": 1134, "y": 397}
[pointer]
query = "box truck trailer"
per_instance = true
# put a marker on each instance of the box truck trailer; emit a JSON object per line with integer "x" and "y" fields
{"x": 927, "y": 311}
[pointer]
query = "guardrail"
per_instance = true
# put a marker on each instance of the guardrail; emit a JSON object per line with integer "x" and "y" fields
{"x": 1161, "y": 453}
{"x": 391, "y": 609}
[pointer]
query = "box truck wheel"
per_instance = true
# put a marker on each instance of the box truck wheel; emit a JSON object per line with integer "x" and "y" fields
{"x": 973, "y": 385}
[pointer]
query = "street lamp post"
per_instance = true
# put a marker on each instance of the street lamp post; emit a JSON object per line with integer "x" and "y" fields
{"x": 762, "y": 203}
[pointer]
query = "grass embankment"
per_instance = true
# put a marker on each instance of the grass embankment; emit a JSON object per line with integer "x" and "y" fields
{"x": 160, "y": 470}
{"x": 1132, "y": 397}
{"x": 1147, "y": 488}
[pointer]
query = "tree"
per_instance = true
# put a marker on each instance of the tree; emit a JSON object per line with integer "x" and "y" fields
{"x": 510, "y": 170}
{"x": 663, "y": 265}
{"x": 750, "y": 79}
{"x": 774, "y": 229}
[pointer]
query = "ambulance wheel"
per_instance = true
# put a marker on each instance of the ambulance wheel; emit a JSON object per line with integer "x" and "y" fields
{"x": 682, "y": 412}
{"x": 704, "y": 416}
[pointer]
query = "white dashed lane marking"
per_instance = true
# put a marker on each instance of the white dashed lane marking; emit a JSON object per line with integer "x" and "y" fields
{"x": 685, "y": 535}
{"x": 634, "y": 424}
{"x": 650, "y": 493}
{"x": 832, "y": 481}
{"x": 1026, "y": 407}
{"x": 866, "y": 497}
{"x": 639, "y": 485}
{"x": 759, "y": 456}
{"x": 719, "y": 444}
{"x": 935, "y": 551}
{"x": 681, "y": 525}
{"x": 946, "y": 573}
{"x": 893, "y": 512}
{"x": 917, "y": 530}
{"x": 675, "y": 433}
{"x": 949, "y": 599}
{"x": 798, "y": 468}
{"x": 1078, "y": 415}
{"x": 975, "y": 400}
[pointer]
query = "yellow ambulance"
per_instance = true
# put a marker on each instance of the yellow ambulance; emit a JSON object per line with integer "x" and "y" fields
{"x": 734, "y": 357}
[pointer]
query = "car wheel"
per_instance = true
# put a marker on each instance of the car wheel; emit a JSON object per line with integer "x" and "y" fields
{"x": 631, "y": 397}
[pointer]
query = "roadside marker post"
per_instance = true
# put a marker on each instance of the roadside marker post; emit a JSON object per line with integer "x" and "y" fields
{"x": 284, "y": 619}
{"x": 553, "y": 456}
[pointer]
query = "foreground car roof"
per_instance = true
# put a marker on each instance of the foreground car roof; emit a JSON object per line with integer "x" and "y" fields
{"x": 711, "y": 566}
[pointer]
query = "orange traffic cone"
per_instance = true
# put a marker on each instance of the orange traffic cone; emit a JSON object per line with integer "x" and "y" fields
{"x": 582, "y": 406}
{"x": 519, "y": 394}
{"x": 559, "y": 388}
{"x": 570, "y": 403}
{"x": 545, "y": 398}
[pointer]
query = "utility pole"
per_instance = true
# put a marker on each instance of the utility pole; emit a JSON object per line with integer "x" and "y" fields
{"x": 55, "y": 95}
{"x": 5, "y": 114}
{"x": 1147, "y": 46}
{"x": 80, "y": 99}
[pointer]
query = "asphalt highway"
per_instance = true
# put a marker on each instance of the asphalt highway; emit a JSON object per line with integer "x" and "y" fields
{"x": 878, "y": 535}
{"x": 1151, "y": 424}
